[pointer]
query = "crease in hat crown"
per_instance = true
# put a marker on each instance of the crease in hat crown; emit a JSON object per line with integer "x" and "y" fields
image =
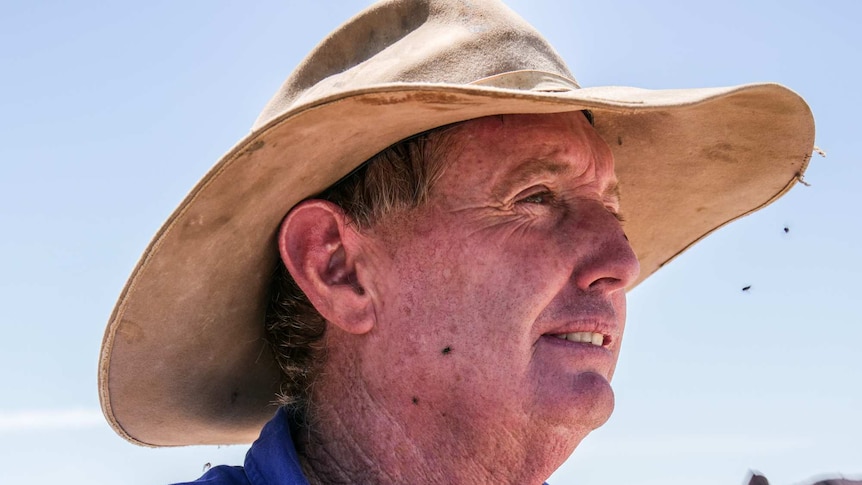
{"x": 183, "y": 359}
{"x": 417, "y": 41}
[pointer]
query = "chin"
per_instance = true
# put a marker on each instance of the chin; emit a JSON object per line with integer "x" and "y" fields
{"x": 586, "y": 404}
{"x": 595, "y": 404}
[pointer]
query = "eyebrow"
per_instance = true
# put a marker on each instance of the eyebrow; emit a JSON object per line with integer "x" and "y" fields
{"x": 612, "y": 192}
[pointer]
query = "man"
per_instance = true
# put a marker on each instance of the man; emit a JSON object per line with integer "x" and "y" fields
{"x": 420, "y": 249}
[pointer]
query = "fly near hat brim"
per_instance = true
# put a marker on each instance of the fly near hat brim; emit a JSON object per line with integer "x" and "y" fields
{"x": 183, "y": 359}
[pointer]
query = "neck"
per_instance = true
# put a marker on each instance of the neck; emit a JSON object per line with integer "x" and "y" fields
{"x": 359, "y": 434}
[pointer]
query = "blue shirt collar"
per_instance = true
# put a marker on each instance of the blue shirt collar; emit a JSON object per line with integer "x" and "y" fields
{"x": 272, "y": 458}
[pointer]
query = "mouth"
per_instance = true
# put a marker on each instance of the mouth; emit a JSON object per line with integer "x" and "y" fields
{"x": 592, "y": 338}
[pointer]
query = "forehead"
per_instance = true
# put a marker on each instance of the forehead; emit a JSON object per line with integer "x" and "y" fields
{"x": 494, "y": 126}
{"x": 504, "y": 148}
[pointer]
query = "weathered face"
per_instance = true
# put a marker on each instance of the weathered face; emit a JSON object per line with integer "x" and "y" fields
{"x": 503, "y": 299}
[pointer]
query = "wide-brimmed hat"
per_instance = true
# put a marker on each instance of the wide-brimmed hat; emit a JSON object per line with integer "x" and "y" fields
{"x": 184, "y": 360}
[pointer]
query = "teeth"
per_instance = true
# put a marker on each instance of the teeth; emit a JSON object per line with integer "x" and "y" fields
{"x": 596, "y": 339}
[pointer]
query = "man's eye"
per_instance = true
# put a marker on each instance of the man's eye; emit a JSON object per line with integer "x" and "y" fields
{"x": 539, "y": 197}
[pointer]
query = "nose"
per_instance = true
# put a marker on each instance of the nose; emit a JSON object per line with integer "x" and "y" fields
{"x": 606, "y": 261}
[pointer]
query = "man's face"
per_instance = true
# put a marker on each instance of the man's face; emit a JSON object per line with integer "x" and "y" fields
{"x": 482, "y": 295}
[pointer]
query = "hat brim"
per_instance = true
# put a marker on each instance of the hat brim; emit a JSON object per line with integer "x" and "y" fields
{"x": 183, "y": 358}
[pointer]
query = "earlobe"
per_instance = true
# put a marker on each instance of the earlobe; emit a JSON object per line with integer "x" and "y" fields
{"x": 320, "y": 251}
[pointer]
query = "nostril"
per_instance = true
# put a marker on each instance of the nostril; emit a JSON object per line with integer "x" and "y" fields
{"x": 611, "y": 268}
{"x": 607, "y": 281}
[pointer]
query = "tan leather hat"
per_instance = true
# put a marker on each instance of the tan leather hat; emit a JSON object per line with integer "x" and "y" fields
{"x": 183, "y": 359}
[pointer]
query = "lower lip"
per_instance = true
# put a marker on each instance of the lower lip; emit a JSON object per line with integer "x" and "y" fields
{"x": 580, "y": 346}
{"x": 576, "y": 357}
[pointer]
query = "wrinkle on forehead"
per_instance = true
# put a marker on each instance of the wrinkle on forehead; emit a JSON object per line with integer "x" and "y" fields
{"x": 556, "y": 144}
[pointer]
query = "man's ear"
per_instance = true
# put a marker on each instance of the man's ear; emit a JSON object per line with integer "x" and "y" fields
{"x": 320, "y": 250}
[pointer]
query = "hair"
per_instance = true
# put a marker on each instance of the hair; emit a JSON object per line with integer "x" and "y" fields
{"x": 397, "y": 179}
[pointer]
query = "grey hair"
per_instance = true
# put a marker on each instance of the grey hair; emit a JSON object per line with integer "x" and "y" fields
{"x": 397, "y": 179}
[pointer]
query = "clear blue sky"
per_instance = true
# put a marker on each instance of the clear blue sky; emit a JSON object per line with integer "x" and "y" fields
{"x": 110, "y": 112}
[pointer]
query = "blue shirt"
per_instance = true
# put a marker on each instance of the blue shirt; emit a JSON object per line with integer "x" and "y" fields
{"x": 271, "y": 460}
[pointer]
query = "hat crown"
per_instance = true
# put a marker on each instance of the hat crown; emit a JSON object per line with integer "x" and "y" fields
{"x": 416, "y": 41}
